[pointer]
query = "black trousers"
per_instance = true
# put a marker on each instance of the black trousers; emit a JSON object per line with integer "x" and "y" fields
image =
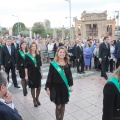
{"x": 111, "y": 65}
{"x": 118, "y": 62}
{"x": 7, "y": 70}
{"x": 80, "y": 63}
{"x": 104, "y": 65}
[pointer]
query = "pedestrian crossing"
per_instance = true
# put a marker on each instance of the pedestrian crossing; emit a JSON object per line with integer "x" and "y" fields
{"x": 45, "y": 70}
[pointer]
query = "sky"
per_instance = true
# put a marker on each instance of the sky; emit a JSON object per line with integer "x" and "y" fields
{"x": 31, "y": 11}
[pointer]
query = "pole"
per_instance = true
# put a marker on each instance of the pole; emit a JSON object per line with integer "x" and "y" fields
{"x": 18, "y": 24}
{"x": 70, "y": 18}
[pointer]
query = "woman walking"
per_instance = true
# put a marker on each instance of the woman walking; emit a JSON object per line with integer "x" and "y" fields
{"x": 111, "y": 100}
{"x": 21, "y": 66}
{"x": 59, "y": 81}
{"x": 33, "y": 72}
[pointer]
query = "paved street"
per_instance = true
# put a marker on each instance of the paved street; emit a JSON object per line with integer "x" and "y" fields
{"x": 85, "y": 101}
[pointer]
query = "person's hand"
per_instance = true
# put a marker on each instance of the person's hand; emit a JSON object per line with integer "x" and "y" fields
{"x": 26, "y": 77}
{"x": 48, "y": 91}
{"x": 78, "y": 60}
{"x": 7, "y": 97}
{"x": 2, "y": 67}
{"x": 71, "y": 89}
{"x": 100, "y": 59}
{"x": 17, "y": 72}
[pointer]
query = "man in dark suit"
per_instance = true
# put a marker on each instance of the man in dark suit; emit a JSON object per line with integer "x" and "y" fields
{"x": 56, "y": 45}
{"x": 104, "y": 55}
{"x": 8, "y": 61}
{"x": 117, "y": 53}
{"x": 79, "y": 57}
{"x": 7, "y": 110}
{"x": 15, "y": 44}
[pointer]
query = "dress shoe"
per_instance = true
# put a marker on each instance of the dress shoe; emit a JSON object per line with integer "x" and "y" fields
{"x": 38, "y": 102}
{"x": 17, "y": 86}
{"x": 106, "y": 78}
{"x": 35, "y": 103}
{"x": 79, "y": 72}
{"x": 83, "y": 72}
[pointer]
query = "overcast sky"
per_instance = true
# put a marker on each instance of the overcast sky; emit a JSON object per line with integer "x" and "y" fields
{"x": 30, "y": 11}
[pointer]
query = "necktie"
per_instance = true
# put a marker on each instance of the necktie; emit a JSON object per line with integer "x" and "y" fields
{"x": 106, "y": 45}
{"x": 9, "y": 49}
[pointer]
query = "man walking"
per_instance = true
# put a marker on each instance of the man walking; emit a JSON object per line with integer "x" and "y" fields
{"x": 104, "y": 56}
{"x": 8, "y": 61}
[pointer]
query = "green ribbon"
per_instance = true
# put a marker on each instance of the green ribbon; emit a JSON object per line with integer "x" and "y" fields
{"x": 22, "y": 54}
{"x": 115, "y": 81}
{"x": 0, "y": 45}
{"x": 32, "y": 58}
{"x": 62, "y": 74}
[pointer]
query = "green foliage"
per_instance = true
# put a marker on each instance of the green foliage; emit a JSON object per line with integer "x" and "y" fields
{"x": 38, "y": 28}
{"x": 21, "y": 26}
{"x": 49, "y": 32}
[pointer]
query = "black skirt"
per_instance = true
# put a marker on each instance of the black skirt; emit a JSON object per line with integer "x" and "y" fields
{"x": 22, "y": 72}
{"x": 61, "y": 93}
{"x": 34, "y": 78}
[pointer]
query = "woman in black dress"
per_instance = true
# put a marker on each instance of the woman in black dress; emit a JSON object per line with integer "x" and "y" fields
{"x": 21, "y": 66}
{"x": 33, "y": 72}
{"x": 111, "y": 99}
{"x": 56, "y": 82}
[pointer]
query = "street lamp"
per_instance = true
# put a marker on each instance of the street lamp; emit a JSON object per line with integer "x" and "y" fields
{"x": 117, "y": 19}
{"x": 70, "y": 15}
{"x": 18, "y": 22}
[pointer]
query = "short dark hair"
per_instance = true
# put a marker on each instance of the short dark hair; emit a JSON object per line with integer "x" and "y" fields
{"x": 105, "y": 37}
{"x": 3, "y": 78}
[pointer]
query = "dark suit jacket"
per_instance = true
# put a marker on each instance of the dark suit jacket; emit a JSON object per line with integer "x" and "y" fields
{"x": 17, "y": 47}
{"x": 78, "y": 53}
{"x": 7, "y": 113}
{"x": 20, "y": 61}
{"x": 117, "y": 49}
{"x": 6, "y": 58}
{"x": 0, "y": 55}
{"x": 111, "y": 102}
{"x": 55, "y": 48}
{"x": 104, "y": 52}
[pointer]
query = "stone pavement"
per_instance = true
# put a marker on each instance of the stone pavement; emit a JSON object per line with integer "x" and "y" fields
{"x": 85, "y": 101}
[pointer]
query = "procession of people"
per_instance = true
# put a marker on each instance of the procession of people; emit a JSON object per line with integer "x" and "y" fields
{"x": 25, "y": 56}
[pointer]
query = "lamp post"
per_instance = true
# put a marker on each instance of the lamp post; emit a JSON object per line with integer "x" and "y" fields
{"x": 18, "y": 23}
{"x": 117, "y": 19}
{"x": 70, "y": 15}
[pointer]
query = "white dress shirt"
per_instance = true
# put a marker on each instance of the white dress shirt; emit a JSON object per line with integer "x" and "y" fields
{"x": 11, "y": 105}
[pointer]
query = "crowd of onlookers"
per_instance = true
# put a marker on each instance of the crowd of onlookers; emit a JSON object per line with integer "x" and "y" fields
{"x": 90, "y": 50}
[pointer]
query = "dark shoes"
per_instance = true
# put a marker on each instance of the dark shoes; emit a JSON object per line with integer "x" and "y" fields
{"x": 16, "y": 86}
{"x": 36, "y": 103}
{"x": 25, "y": 92}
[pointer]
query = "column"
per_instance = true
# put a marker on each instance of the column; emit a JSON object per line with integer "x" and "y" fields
{"x": 63, "y": 33}
{"x": 30, "y": 33}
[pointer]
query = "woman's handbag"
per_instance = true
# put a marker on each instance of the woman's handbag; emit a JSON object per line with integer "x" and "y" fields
{"x": 52, "y": 94}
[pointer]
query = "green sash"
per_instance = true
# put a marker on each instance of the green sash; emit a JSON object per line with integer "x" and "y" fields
{"x": 32, "y": 58}
{"x": 22, "y": 54}
{"x": 115, "y": 80}
{"x": 0, "y": 45}
{"x": 62, "y": 74}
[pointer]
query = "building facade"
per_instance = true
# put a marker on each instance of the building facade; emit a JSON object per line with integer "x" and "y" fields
{"x": 94, "y": 25}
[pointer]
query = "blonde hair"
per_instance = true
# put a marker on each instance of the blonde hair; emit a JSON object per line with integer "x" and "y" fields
{"x": 33, "y": 43}
{"x": 117, "y": 73}
{"x": 66, "y": 55}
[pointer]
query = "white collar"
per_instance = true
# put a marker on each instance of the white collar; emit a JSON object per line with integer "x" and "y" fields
{"x": 2, "y": 100}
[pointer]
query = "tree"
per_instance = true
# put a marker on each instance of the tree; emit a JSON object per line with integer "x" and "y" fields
{"x": 18, "y": 27}
{"x": 38, "y": 28}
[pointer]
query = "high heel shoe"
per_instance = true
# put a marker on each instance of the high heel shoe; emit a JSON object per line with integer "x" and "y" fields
{"x": 38, "y": 102}
{"x": 35, "y": 103}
